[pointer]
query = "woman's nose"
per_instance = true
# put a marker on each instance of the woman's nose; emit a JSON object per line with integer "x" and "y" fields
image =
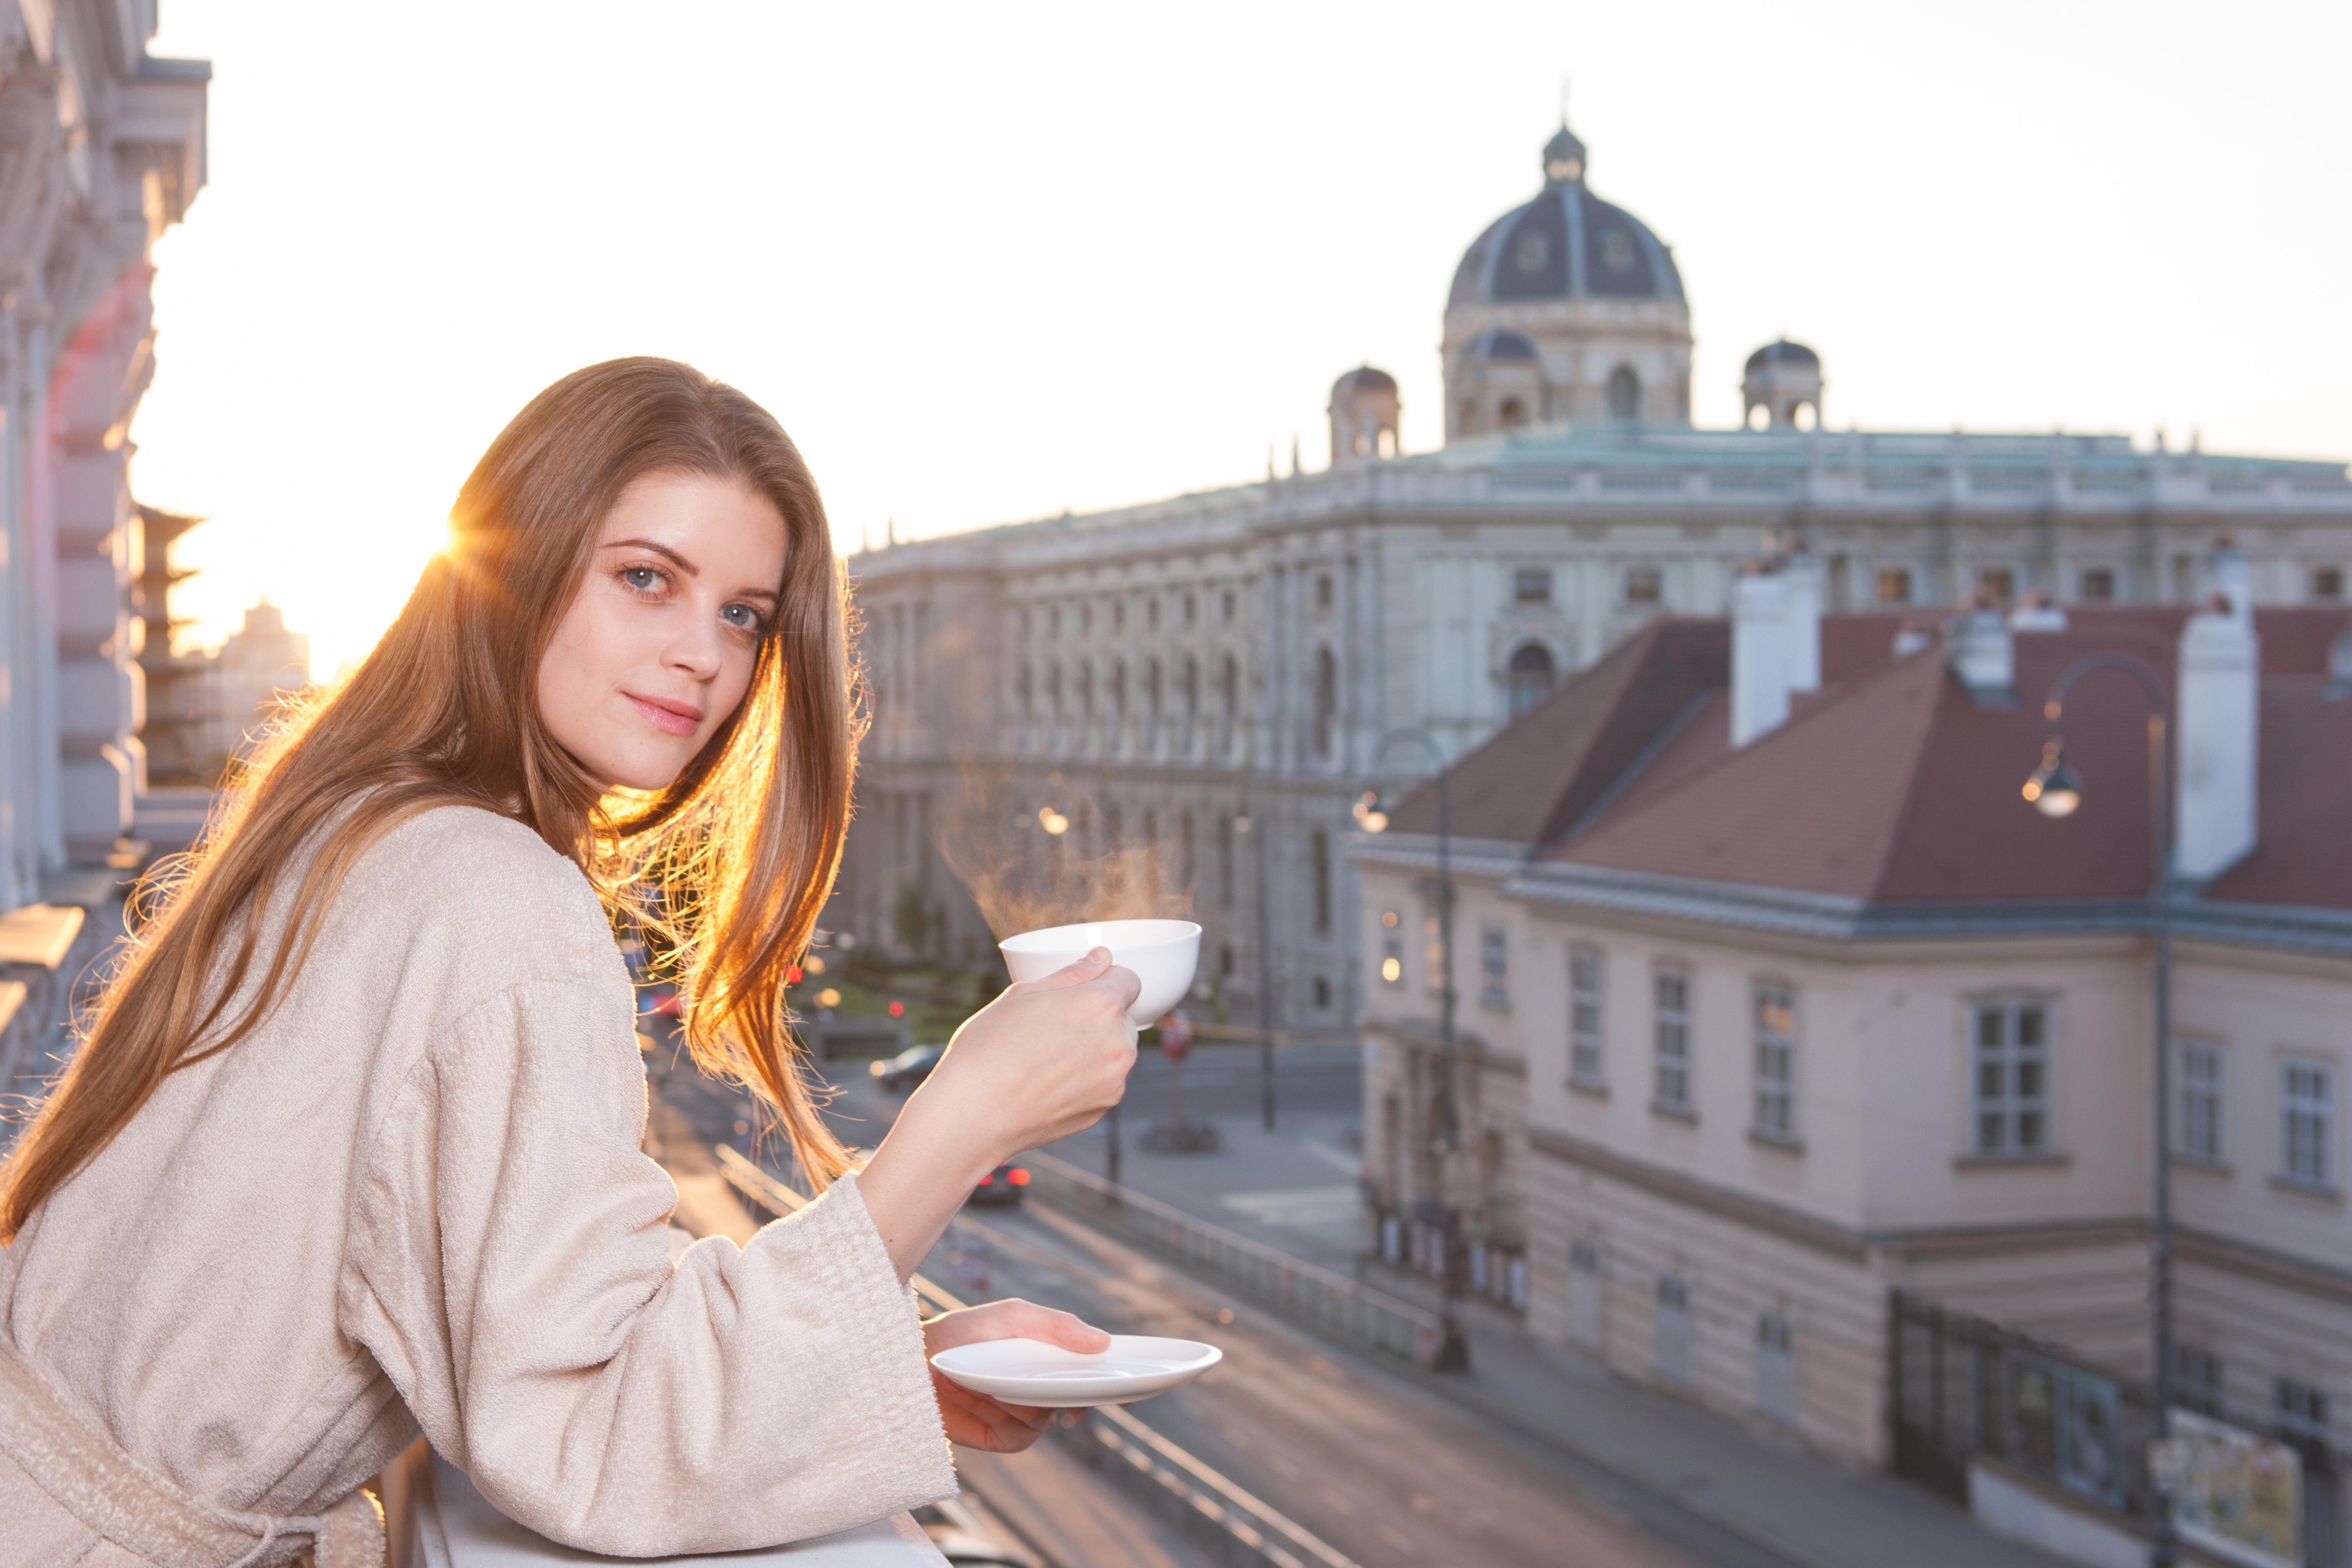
{"x": 696, "y": 649}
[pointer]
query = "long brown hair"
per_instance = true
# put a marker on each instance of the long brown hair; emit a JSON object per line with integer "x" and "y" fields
{"x": 732, "y": 862}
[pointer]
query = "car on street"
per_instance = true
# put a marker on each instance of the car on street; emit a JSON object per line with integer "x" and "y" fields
{"x": 901, "y": 1072}
{"x": 1001, "y": 1186}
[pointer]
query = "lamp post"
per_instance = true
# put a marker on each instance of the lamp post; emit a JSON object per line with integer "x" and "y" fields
{"x": 1453, "y": 1350}
{"x": 2057, "y": 790}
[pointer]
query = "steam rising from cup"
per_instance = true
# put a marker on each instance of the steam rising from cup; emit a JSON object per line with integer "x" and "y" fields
{"x": 1162, "y": 953}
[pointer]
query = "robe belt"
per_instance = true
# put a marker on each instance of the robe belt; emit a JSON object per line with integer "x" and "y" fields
{"x": 73, "y": 1458}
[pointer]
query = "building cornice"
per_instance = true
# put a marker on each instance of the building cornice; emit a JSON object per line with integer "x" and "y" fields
{"x": 1834, "y": 917}
{"x": 1941, "y": 1243}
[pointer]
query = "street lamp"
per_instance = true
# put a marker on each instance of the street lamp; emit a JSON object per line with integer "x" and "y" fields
{"x": 1454, "y": 1350}
{"x": 2057, "y": 790}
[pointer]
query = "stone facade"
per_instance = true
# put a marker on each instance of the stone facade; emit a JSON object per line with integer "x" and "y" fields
{"x": 102, "y": 148}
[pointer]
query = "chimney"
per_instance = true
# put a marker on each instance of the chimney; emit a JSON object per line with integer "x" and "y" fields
{"x": 2219, "y": 700}
{"x": 1759, "y": 655}
{"x": 1983, "y": 655}
{"x": 2229, "y": 573}
{"x": 1802, "y": 575}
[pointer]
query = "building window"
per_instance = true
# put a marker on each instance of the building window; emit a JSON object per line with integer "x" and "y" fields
{"x": 2098, "y": 585}
{"x": 1322, "y": 993}
{"x": 1225, "y": 605}
{"x": 2327, "y": 582}
{"x": 2201, "y": 1102}
{"x": 1584, "y": 1293}
{"x": 1391, "y": 950}
{"x": 2197, "y": 1378}
{"x": 1323, "y": 592}
{"x": 1584, "y": 1061}
{"x": 1086, "y": 689}
{"x": 1776, "y": 1061}
{"x": 1776, "y": 1369}
{"x": 1327, "y": 700}
{"x": 2013, "y": 1079}
{"x": 1022, "y": 689}
{"x": 1625, "y": 394}
{"x": 1531, "y": 677}
{"x": 1118, "y": 688}
{"x": 1189, "y": 610}
{"x": 2307, "y": 1106}
{"x": 1644, "y": 585}
{"x": 1151, "y": 613}
{"x": 1086, "y": 619}
{"x": 1319, "y": 854}
{"x": 1053, "y": 621}
{"x": 1895, "y": 585}
{"x": 1494, "y": 969}
{"x": 2302, "y": 1413}
{"x": 1224, "y": 960}
{"x": 1118, "y": 614}
{"x": 1054, "y": 689}
{"x": 1673, "y": 1090}
{"x": 1151, "y": 691}
{"x": 1674, "y": 1331}
{"x": 1531, "y": 585}
{"x": 1997, "y": 583}
{"x": 1512, "y": 414}
{"x": 1226, "y": 830}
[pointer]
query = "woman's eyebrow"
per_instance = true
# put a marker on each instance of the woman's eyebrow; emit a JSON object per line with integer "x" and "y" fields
{"x": 658, "y": 549}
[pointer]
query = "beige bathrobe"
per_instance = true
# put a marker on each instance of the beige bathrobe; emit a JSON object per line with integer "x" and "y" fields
{"x": 414, "y": 1199}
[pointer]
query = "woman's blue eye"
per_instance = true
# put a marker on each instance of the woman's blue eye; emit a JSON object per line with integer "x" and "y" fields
{"x": 742, "y": 617}
{"x": 644, "y": 578}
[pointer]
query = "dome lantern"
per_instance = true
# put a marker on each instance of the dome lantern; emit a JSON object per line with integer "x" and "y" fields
{"x": 1563, "y": 158}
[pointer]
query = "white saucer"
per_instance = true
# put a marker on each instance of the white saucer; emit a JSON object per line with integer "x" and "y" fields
{"x": 1031, "y": 1372}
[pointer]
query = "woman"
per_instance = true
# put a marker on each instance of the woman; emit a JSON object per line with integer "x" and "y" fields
{"x": 351, "y": 1147}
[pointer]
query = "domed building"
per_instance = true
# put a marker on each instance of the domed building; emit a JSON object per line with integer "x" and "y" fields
{"x": 1565, "y": 308}
{"x": 1782, "y": 383}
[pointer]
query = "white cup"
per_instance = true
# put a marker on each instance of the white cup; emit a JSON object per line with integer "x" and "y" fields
{"x": 1162, "y": 953}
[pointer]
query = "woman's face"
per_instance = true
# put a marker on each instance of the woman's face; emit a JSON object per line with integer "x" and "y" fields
{"x": 656, "y": 650}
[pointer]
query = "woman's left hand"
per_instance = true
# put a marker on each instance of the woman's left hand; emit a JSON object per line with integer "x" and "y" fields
{"x": 974, "y": 1419}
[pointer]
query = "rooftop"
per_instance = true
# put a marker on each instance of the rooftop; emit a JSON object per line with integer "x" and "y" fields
{"x": 1893, "y": 785}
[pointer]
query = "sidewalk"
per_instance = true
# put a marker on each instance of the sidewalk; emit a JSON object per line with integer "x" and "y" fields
{"x": 1800, "y": 1506}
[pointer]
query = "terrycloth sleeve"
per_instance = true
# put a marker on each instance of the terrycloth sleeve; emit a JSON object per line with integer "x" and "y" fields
{"x": 510, "y": 1271}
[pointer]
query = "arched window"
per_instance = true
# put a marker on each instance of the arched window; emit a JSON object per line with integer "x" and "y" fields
{"x": 1322, "y": 858}
{"x": 1229, "y": 688}
{"x": 1512, "y": 414}
{"x": 1624, "y": 394}
{"x": 1054, "y": 688}
{"x": 1188, "y": 697}
{"x": 1151, "y": 691}
{"x": 1530, "y": 678}
{"x": 1021, "y": 686}
{"x": 1326, "y": 699}
{"x": 1086, "y": 689}
{"x": 1118, "y": 689}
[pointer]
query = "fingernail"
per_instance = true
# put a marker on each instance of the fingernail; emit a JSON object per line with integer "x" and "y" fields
{"x": 1101, "y": 953}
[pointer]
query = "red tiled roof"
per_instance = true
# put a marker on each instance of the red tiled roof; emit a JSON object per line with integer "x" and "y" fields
{"x": 1532, "y": 781}
{"x": 1895, "y": 785}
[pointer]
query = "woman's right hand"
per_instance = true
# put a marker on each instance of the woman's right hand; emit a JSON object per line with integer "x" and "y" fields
{"x": 1044, "y": 1059}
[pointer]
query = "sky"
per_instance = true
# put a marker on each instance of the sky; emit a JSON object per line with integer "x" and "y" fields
{"x": 989, "y": 263}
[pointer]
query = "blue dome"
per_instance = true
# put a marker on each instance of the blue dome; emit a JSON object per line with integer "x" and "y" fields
{"x": 1567, "y": 244}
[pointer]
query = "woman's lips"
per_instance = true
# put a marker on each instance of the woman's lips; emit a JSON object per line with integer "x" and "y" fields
{"x": 673, "y": 718}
